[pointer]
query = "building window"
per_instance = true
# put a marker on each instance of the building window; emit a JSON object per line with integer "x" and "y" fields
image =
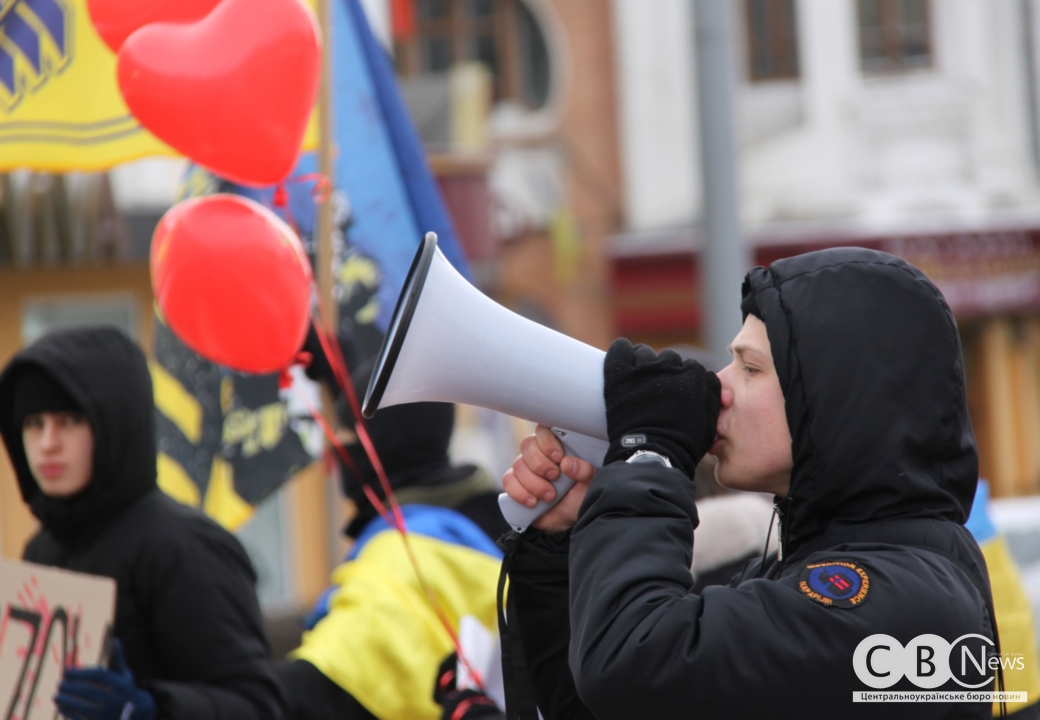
{"x": 502, "y": 34}
{"x": 894, "y": 35}
{"x": 772, "y": 39}
{"x": 44, "y": 315}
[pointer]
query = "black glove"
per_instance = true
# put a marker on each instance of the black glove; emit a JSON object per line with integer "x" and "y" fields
{"x": 100, "y": 694}
{"x": 445, "y": 678}
{"x": 469, "y": 705}
{"x": 461, "y": 704}
{"x": 659, "y": 403}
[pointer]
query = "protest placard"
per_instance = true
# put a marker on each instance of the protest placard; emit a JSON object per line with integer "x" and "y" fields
{"x": 49, "y": 619}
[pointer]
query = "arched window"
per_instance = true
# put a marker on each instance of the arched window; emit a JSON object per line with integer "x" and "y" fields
{"x": 502, "y": 34}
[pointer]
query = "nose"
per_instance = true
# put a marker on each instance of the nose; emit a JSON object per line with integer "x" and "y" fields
{"x": 49, "y": 439}
{"x": 725, "y": 378}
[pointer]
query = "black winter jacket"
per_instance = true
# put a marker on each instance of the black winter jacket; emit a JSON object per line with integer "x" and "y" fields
{"x": 885, "y": 467}
{"x": 186, "y": 607}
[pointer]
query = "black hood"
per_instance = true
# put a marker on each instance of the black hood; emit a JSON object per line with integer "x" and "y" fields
{"x": 870, "y": 363}
{"x": 107, "y": 375}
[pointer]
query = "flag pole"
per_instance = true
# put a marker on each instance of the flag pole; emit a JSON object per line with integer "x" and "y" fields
{"x": 323, "y": 237}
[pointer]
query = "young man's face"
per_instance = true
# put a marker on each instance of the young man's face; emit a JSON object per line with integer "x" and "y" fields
{"x": 60, "y": 450}
{"x": 753, "y": 447}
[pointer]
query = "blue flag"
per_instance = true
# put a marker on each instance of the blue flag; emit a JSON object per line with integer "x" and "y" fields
{"x": 380, "y": 165}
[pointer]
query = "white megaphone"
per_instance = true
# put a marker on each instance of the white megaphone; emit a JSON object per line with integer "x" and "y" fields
{"x": 449, "y": 342}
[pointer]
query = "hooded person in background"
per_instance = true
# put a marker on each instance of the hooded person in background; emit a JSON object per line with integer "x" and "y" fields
{"x": 375, "y": 643}
{"x": 77, "y": 418}
{"x": 845, "y": 400}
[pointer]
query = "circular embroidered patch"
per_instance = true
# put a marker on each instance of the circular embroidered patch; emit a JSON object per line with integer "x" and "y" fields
{"x": 835, "y": 583}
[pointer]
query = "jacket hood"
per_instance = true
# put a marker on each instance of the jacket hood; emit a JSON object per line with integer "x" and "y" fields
{"x": 869, "y": 360}
{"x": 107, "y": 375}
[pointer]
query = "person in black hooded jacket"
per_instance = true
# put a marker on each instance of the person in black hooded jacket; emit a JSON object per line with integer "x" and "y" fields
{"x": 189, "y": 636}
{"x": 846, "y": 399}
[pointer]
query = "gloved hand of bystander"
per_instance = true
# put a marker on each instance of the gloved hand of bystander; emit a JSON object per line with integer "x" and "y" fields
{"x": 458, "y": 704}
{"x": 104, "y": 693}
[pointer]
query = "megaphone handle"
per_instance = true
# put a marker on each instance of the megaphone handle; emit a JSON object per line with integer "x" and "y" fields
{"x": 587, "y": 448}
{"x": 520, "y": 516}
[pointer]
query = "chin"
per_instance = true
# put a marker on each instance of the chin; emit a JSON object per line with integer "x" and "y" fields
{"x": 729, "y": 484}
{"x": 722, "y": 476}
{"x": 730, "y": 480}
{"x": 60, "y": 490}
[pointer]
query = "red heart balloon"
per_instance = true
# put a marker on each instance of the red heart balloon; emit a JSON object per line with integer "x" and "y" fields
{"x": 115, "y": 20}
{"x": 232, "y": 91}
{"x": 232, "y": 281}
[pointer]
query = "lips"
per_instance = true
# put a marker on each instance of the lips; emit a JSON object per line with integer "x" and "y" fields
{"x": 719, "y": 439}
{"x": 52, "y": 471}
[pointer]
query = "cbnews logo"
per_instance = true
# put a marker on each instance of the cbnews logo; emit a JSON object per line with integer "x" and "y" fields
{"x": 929, "y": 661}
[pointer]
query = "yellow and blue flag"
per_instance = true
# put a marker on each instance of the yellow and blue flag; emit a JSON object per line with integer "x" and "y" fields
{"x": 60, "y": 105}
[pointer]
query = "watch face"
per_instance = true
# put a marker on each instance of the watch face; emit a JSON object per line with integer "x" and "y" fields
{"x": 646, "y": 456}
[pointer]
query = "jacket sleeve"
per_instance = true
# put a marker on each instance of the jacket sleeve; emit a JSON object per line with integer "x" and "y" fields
{"x": 644, "y": 645}
{"x": 208, "y": 631}
{"x": 312, "y": 696}
{"x": 538, "y": 590}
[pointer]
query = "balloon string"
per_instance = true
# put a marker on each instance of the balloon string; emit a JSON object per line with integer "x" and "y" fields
{"x": 322, "y": 190}
{"x": 320, "y": 193}
{"x": 342, "y": 374}
{"x": 394, "y": 517}
{"x": 339, "y": 370}
{"x": 330, "y": 435}
{"x": 397, "y": 521}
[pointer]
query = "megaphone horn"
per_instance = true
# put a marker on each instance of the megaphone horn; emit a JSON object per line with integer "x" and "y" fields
{"x": 449, "y": 342}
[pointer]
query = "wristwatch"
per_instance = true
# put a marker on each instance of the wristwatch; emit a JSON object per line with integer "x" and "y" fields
{"x": 649, "y": 456}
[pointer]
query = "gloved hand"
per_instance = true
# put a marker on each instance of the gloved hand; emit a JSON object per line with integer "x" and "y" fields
{"x": 461, "y": 704}
{"x": 104, "y": 694}
{"x": 469, "y": 705}
{"x": 659, "y": 403}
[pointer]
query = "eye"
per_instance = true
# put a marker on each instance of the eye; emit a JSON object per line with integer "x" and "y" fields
{"x": 751, "y": 370}
{"x": 32, "y": 422}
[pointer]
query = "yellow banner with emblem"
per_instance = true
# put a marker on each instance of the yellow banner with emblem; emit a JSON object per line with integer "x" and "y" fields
{"x": 60, "y": 106}
{"x": 225, "y": 440}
